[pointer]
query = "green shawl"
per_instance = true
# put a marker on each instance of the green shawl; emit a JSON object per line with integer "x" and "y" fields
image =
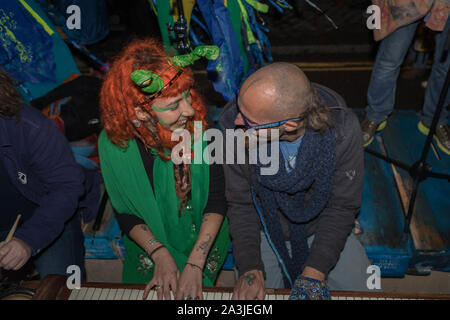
{"x": 130, "y": 192}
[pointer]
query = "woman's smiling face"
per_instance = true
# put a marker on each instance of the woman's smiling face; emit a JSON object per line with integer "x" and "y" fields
{"x": 174, "y": 112}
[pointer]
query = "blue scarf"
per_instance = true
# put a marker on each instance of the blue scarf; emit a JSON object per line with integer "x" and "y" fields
{"x": 286, "y": 192}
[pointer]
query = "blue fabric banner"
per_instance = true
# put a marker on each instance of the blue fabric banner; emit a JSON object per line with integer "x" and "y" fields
{"x": 226, "y": 72}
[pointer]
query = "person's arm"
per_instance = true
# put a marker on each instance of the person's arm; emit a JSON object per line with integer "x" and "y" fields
{"x": 336, "y": 221}
{"x": 52, "y": 162}
{"x": 137, "y": 230}
{"x": 215, "y": 211}
{"x": 245, "y": 231}
{"x": 244, "y": 222}
{"x": 166, "y": 273}
{"x": 50, "y": 159}
{"x": 190, "y": 284}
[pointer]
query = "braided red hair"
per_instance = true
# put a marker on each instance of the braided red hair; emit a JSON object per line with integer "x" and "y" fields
{"x": 119, "y": 96}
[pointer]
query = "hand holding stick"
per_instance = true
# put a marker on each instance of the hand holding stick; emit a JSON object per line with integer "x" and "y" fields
{"x": 13, "y": 229}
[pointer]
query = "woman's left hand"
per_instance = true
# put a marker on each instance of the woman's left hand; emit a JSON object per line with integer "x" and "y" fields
{"x": 190, "y": 283}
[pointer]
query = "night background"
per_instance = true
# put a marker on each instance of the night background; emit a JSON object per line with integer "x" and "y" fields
{"x": 301, "y": 35}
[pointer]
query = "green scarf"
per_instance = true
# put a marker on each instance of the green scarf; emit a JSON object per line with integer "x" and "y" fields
{"x": 130, "y": 192}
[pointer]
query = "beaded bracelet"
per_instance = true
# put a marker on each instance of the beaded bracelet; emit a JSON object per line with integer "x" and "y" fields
{"x": 151, "y": 254}
{"x": 153, "y": 241}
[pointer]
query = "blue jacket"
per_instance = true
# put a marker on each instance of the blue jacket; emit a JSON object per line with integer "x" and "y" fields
{"x": 41, "y": 166}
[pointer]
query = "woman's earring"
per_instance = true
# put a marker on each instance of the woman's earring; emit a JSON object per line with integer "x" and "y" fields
{"x": 136, "y": 123}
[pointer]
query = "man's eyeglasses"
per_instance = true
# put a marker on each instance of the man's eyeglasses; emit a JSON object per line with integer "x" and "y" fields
{"x": 266, "y": 125}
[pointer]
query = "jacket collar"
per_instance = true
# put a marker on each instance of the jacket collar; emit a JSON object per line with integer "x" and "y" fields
{"x": 228, "y": 115}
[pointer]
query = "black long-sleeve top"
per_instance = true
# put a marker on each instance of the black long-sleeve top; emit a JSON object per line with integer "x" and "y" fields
{"x": 216, "y": 198}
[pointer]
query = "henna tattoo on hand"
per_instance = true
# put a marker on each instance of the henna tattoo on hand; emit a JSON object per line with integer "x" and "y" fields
{"x": 144, "y": 227}
{"x": 203, "y": 246}
{"x": 249, "y": 278}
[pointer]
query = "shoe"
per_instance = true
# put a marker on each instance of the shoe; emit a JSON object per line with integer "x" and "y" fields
{"x": 369, "y": 128}
{"x": 441, "y": 136}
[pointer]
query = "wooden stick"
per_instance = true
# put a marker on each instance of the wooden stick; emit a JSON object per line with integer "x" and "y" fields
{"x": 13, "y": 229}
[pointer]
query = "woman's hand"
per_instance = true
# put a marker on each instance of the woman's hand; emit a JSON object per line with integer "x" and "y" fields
{"x": 190, "y": 283}
{"x": 165, "y": 275}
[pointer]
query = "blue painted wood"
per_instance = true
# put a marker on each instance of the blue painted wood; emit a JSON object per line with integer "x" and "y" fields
{"x": 382, "y": 219}
{"x": 404, "y": 142}
{"x": 432, "y": 212}
{"x": 101, "y": 246}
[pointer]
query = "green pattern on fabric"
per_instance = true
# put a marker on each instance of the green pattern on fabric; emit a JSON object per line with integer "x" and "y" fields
{"x": 130, "y": 192}
{"x": 249, "y": 32}
{"x": 164, "y": 18}
{"x": 235, "y": 16}
{"x": 258, "y": 6}
{"x": 37, "y": 17}
{"x": 65, "y": 64}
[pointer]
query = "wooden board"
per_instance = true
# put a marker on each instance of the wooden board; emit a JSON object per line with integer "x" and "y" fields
{"x": 430, "y": 226}
{"x": 381, "y": 218}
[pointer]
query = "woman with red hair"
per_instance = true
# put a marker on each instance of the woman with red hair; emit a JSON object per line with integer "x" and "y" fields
{"x": 172, "y": 215}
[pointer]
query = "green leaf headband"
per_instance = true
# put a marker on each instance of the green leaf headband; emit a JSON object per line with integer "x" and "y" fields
{"x": 152, "y": 84}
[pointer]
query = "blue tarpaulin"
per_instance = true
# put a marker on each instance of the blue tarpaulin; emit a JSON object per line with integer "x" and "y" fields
{"x": 226, "y": 72}
{"x": 26, "y": 45}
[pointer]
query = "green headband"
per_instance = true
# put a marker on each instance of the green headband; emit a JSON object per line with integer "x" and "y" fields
{"x": 208, "y": 52}
{"x": 152, "y": 84}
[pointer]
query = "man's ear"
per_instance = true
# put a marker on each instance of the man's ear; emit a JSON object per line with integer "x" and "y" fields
{"x": 291, "y": 126}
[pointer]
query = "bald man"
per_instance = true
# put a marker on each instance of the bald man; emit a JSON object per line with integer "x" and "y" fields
{"x": 292, "y": 229}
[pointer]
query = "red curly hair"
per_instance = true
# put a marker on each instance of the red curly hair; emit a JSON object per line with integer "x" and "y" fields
{"x": 119, "y": 96}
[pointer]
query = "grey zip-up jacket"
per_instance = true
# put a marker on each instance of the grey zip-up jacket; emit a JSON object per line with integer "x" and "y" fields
{"x": 332, "y": 226}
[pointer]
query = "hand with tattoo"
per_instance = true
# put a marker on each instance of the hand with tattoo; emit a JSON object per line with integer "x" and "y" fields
{"x": 190, "y": 283}
{"x": 250, "y": 286}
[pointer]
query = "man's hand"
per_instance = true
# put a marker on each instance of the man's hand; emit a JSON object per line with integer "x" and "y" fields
{"x": 312, "y": 273}
{"x": 14, "y": 254}
{"x": 309, "y": 289}
{"x": 250, "y": 286}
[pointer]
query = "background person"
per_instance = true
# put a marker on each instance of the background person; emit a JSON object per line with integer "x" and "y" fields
{"x": 40, "y": 180}
{"x": 398, "y": 26}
